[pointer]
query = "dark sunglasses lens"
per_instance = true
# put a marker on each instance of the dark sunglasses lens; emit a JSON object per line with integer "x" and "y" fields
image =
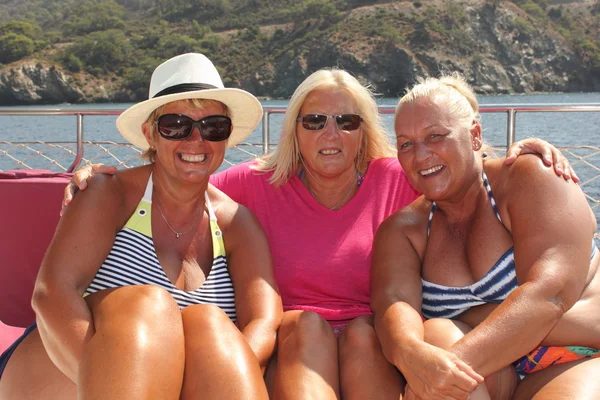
{"x": 314, "y": 122}
{"x": 215, "y": 128}
{"x": 348, "y": 122}
{"x": 174, "y": 126}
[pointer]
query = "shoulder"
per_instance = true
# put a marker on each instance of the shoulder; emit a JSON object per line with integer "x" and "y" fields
{"x": 244, "y": 169}
{"x": 528, "y": 166}
{"x": 228, "y": 211}
{"x": 406, "y": 227}
{"x": 410, "y": 220}
{"x": 237, "y": 222}
{"x": 527, "y": 174}
{"x": 120, "y": 185}
{"x": 389, "y": 164}
{"x": 112, "y": 195}
{"x": 238, "y": 174}
{"x": 387, "y": 169}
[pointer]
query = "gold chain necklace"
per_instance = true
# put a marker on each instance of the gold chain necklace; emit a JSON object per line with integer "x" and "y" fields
{"x": 339, "y": 203}
{"x": 177, "y": 234}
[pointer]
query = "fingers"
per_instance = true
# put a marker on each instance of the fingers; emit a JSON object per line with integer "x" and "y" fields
{"x": 457, "y": 393}
{"x": 551, "y": 156}
{"x": 573, "y": 174}
{"x": 67, "y": 197}
{"x": 409, "y": 394}
{"x": 79, "y": 181}
{"x": 513, "y": 152}
{"x": 470, "y": 372}
{"x": 103, "y": 169}
{"x": 565, "y": 166}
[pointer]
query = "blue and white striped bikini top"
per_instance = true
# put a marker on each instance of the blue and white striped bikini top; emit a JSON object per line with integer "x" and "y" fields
{"x": 133, "y": 261}
{"x": 448, "y": 302}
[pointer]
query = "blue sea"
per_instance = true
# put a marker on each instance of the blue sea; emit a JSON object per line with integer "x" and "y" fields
{"x": 563, "y": 129}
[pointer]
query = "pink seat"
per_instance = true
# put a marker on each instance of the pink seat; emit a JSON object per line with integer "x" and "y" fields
{"x": 30, "y": 202}
{"x": 8, "y": 334}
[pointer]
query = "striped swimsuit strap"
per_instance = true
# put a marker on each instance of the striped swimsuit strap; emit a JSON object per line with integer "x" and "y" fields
{"x": 142, "y": 223}
{"x": 488, "y": 189}
{"x": 441, "y": 301}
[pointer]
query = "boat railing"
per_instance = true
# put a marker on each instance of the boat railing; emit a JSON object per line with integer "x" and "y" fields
{"x": 67, "y": 156}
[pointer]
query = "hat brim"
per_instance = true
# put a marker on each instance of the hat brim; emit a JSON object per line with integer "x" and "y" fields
{"x": 245, "y": 112}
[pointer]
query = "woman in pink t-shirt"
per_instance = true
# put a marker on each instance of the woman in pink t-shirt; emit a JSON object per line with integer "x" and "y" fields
{"x": 320, "y": 197}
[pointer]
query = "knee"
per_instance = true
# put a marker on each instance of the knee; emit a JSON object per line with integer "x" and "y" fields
{"x": 442, "y": 332}
{"x": 208, "y": 319}
{"x": 147, "y": 316}
{"x": 358, "y": 337}
{"x": 143, "y": 304}
{"x": 208, "y": 330}
{"x": 303, "y": 330}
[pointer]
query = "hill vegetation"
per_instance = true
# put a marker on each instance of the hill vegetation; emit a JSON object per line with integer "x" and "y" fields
{"x": 119, "y": 42}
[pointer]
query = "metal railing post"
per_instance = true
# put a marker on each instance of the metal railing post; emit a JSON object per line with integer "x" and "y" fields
{"x": 79, "y": 155}
{"x": 510, "y": 127}
{"x": 265, "y": 131}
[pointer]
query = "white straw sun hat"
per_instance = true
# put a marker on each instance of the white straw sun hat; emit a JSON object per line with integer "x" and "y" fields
{"x": 191, "y": 76}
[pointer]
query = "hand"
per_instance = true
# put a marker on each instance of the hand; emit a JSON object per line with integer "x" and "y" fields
{"x": 409, "y": 394}
{"x": 434, "y": 373}
{"x": 79, "y": 181}
{"x": 550, "y": 155}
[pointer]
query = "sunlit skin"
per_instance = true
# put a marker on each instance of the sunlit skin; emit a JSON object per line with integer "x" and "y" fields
{"x": 329, "y": 170}
{"x": 171, "y": 153}
{"x": 548, "y": 224}
{"x": 434, "y": 150}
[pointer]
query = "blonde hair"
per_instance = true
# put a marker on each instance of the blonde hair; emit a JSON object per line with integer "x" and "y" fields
{"x": 459, "y": 97}
{"x": 285, "y": 160}
{"x": 150, "y": 153}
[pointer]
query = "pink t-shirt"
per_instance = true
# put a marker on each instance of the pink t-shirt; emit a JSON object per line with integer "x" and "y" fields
{"x": 322, "y": 258}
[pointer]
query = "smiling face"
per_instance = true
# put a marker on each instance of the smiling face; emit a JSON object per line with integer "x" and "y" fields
{"x": 193, "y": 159}
{"x": 329, "y": 152}
{"x": 436, "y": 149}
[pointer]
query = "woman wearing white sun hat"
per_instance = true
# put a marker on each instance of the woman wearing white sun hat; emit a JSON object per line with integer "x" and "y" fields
{"x": 166, "y": 290}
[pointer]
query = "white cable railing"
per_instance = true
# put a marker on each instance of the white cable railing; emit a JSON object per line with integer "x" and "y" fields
{"x": 66, "y": 156}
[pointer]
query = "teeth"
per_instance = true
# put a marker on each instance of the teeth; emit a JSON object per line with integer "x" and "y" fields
{"x": 329, "y": 152}
{"x": 430, "y": 170}
{"x": 193, "y": 157}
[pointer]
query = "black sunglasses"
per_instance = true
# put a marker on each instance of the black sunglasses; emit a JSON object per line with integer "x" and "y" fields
{"x": 214, "y": 128}
{"x": 316, "y": 122}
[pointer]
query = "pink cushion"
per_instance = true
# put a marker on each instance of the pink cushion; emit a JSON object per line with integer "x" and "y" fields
{"x": 30, "y": 202}
{"x": 8, "y": 334}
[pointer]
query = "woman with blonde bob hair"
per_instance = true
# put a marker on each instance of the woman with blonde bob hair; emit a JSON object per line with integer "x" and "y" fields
{"x": 320, "y": 197}
{"x": 286, "y": 158}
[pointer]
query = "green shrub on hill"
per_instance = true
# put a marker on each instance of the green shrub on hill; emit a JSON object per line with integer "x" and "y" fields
{"x": 125, "y": 39}
{"x": 13, "y": 47}
{"x": 93, "y": 17}
{"x": 30, "y": 29}
{"x": 102, "y": 52}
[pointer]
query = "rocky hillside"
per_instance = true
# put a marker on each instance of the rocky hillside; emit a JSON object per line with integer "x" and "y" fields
{"x": 501, "y": 46}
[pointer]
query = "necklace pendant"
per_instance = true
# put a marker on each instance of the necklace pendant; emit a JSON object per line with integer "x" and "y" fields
{"x": 177, "y": 234}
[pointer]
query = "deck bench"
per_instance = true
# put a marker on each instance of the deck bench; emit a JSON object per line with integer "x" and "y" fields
{"x": 30, "y": 202}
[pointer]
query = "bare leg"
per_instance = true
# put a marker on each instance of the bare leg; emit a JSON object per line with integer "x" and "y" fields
{"x": 116, "y": 364}
{"x": 364, "y": 371}
{"x": 307, "y": 358}
{"x": 219, "y": 363}
{"x": 30, "y": 374}
{"x": 444, "y": 333}
{"x": 573, "y": 380}
{"x": 137, "y": 351}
